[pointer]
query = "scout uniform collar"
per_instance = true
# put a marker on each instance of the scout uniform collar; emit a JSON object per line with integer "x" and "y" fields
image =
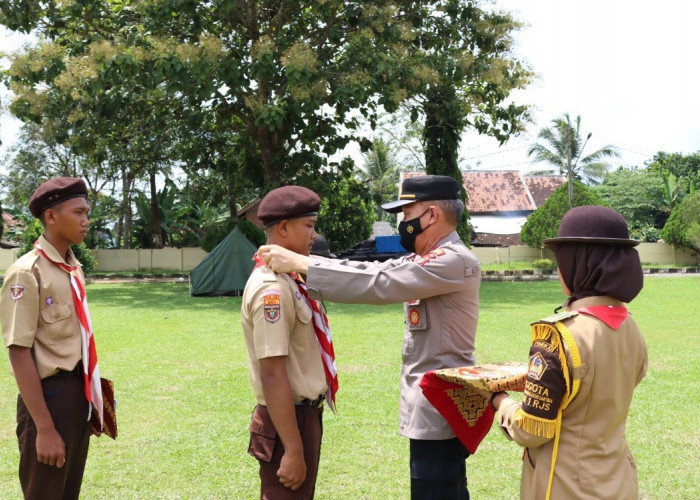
{"x": 55, "y": 256}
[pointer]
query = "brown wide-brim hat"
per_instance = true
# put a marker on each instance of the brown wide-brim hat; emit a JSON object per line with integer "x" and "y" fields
{"x": 321, "y": 247}
{"x": 424, "y": 188}
{"x": 55, "y": 191}
{"x": 593, "y": 225}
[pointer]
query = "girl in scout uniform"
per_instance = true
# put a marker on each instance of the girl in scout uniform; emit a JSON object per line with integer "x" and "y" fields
{"x": 585, "y": 363}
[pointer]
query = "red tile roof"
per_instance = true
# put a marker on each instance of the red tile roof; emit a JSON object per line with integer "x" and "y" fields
{"x": 496, "y": 240}
{"x": 497, "y": 191}
{"x": 542, "y": 186}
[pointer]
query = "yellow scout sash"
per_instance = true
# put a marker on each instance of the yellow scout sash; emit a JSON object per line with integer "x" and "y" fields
{"x": 549, "y": 335}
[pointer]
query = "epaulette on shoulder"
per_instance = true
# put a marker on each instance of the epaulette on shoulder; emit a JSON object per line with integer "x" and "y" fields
{"x": 555, "y": 318}
{"x": 268, "y": 275}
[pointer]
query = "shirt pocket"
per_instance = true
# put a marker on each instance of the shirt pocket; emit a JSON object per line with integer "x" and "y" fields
{"x": 303, "y": 329}
{"x": 303, "y": 311}
{"x": 57, "y": 326}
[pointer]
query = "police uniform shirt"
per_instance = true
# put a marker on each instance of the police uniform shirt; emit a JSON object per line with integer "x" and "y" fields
{"x": 440, "y": 292}
{"x": 277, "y": 322}
{"x": 37, "y": 311}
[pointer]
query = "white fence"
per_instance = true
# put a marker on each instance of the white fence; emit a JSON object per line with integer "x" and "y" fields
{"x": 186, "y": 259}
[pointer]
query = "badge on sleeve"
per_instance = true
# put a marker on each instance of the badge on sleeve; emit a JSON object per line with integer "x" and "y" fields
{"x": 16, "y": 292}
{"x": 271, "y": 305}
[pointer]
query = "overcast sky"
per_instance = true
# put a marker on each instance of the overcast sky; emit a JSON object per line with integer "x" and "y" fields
{"x": 629, "y": 68}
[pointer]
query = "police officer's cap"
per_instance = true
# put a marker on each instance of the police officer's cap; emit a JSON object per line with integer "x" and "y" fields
{"x": 424, "y": 187}
{"x": 287, "y": 202}
{"x": 55, "y": 191}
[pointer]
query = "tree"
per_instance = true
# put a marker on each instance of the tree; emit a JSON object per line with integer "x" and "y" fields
{"x": 683, "y": 226}
{"x": 464, "y": 54}
{"x": 346, "y": 213}
{"x": 544, "y": 222}
{"x": 562, "y": 148}
{"x": 381, "y": 176}
{"x": 680, "y": 174}
{"x": 639, "y": 196}
{"x": 261, "y": 91}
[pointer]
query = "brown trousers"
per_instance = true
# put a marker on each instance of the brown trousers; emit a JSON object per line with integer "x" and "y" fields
{"x": 267, "y": 447}
{"x": 65, "y": 399}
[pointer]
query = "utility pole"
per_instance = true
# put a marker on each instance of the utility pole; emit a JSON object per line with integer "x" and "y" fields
{"x": 569, "y": 170}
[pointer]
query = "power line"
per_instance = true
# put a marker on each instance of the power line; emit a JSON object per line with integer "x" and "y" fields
{"x": 495, "y": 153}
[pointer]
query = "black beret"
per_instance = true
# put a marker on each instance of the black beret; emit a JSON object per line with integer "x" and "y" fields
{"x": 287, "y": 202}
{"x": 593, "y": 225}
{"x": 424, "y": 187}
{"x": 55, "y": 191}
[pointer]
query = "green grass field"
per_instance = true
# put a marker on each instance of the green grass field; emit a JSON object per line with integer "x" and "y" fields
{"x": 184, "y": 400}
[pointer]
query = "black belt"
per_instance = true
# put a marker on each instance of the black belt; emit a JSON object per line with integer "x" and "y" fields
{"x": 76, "y": 372}
{"x": 314, "y": 403}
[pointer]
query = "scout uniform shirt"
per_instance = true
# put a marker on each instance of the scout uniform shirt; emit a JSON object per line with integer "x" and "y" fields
{"x": 277, "y": 322}
{"x": 593, "y": 460}
{"x": 37, "y": 311}
{"x": 441, "y": 295}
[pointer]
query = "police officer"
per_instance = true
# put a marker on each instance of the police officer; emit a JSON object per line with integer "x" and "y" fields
{"x": 288, "y": 376}
{"x": 439, "y": 285}
{"x": 41, "y": 329}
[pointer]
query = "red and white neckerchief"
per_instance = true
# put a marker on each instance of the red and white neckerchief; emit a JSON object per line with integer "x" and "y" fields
{"x": 325, "y": 343}
{"x": 91, "y": 373}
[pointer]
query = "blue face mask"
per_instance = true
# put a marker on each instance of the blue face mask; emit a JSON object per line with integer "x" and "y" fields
{"x": 409, "y": 231}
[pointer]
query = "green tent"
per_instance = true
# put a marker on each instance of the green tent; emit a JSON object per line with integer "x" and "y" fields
{"x": 226, "y": 269}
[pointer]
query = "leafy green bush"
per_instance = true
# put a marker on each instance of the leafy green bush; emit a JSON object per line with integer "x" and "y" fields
{"x": 35, "y": 229}
{"x": 544, "y": 264}
{"x": 544, "y": 222}
{"x": 681, "y": 228}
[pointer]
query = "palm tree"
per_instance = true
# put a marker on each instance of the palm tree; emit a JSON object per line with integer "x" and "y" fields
{"x": 381, "y": 175}
{"x": 562, "y": 149}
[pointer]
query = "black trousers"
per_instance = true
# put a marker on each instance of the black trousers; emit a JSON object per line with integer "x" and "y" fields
{"x": 438, "y": 470}
{"x": 65, "y": 399}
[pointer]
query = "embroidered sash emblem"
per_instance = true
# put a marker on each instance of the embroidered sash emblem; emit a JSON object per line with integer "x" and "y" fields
{"x": 537, "y": 366}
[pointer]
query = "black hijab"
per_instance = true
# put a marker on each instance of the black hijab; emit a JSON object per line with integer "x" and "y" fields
{"x": 590, "y": 270}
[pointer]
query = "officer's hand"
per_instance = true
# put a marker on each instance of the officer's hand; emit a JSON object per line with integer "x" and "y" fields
{"x": 281, "y": 260}
{"x": 292, "y": 471}
{"x": 50, "y": 449}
